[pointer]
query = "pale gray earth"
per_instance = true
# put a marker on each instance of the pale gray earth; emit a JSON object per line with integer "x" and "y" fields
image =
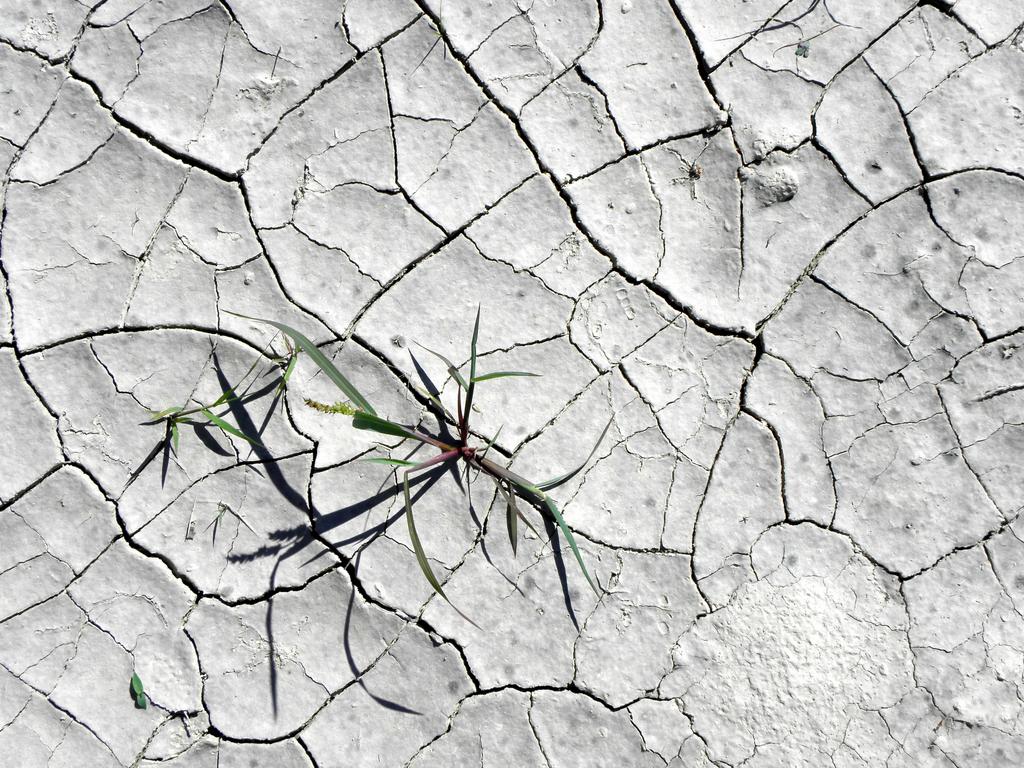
{"x": 778, "y": 244}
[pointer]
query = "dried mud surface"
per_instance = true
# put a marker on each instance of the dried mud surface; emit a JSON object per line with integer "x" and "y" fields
{"x": 778, "y": 244}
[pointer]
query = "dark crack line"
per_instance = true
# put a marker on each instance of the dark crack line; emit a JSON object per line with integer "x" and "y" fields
{"x": 563, "y": 193}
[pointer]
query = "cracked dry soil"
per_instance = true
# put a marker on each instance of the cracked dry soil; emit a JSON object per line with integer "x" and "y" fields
{"x": 779, "y": 243}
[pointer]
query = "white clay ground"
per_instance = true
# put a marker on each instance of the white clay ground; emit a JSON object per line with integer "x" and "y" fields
{"x": 786, "y": 258}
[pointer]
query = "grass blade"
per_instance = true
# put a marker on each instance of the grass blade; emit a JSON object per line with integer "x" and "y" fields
{"x": 321, "y": 360}
{"x": 501, "y": 375}
{"x": 288, "y": 372}
{"x": 230, "y": 393}
{"x": 158, "y": 415}
{"x": 511, "y": 519}
{"x": 554, "y": 482}
{"x": 529, "y": 489}
{"x": 227, "y": 394}
{"x": 421, "y": 556}
{"x": 375, "y": 423}
{"x": 174, "y": 436}
{"x": 492, "y": 441}
{"x": 472, "y": 375}
{"x": 223, "y": 425}
{"x": 453, "y": 370}
{"x": 510, "y": 497}
{"x": 431, "y": 392}
{"x": 553, "y": 509}
{"x": 390, "y": 462}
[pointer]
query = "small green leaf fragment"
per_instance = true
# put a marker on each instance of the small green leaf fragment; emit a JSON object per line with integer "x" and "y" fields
{"x": 138, "y": 693}
{"x": 174, "y": 436}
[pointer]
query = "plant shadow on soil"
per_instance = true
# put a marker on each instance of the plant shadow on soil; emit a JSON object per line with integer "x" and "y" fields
{"x": 290, "y": 542}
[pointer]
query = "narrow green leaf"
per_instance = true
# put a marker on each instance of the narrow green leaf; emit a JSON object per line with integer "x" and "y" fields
{"x": 453, "y": 370}
{"x": 228, "y": 394}
{"x": 472, "y": 344}
{"x": 437, "y": 403}
{"x": 157, "y": 415}
{"x": 321, "y": 360}
{"x": 492, "y": 441}
{"x": 222, "y": 509}
{"x": 570, "y": 538}
{"x": 503, "y": 473}
{"x": 511, "y": 519}
{"x": 472, "y": 366}
{"x": 288, "y": 371}
{"x": 421, "y": 556}
{"x": 174, "y": 436}
{"x": 219, "y": 422}
{"x": 431, "y": 392}
{"x": 231, "y": 393}
{"x": 528, "y": 523}
{"x": 554, "y": 482}
{"x": 391, "y": 462}
{"x": 375, "y": 423}
{"x": 509, "y": 493}
{"x": 501, "y": 375}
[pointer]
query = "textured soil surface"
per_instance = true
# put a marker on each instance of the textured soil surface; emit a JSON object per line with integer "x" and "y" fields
{"x": 778, "y": 244}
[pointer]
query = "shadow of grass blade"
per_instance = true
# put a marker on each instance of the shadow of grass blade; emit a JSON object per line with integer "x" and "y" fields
{"x": 321, "y": 360}
{"x": 554, "y": 482}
